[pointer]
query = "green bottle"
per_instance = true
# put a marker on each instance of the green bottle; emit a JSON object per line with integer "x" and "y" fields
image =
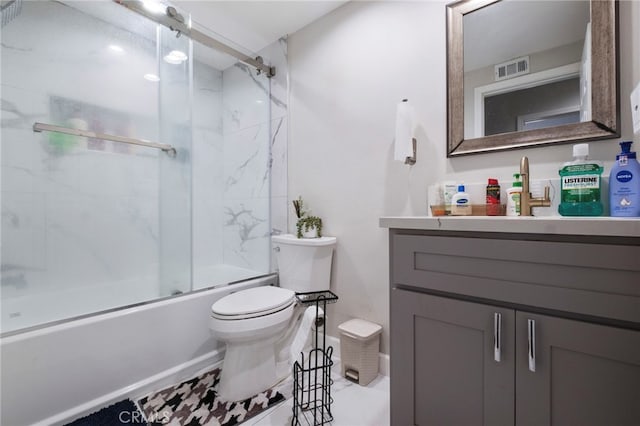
{"x": 580, "y": 185}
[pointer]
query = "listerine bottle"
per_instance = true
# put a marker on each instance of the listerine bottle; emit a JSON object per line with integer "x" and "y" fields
{"x": 580, "y": 185}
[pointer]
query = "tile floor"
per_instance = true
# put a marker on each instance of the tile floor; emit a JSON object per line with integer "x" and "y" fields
{"x": 353, "y": 405}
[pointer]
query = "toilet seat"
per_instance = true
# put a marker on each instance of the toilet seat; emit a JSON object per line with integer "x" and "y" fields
{"x": 252, "y": 303}
{"x": 252, "y": 313}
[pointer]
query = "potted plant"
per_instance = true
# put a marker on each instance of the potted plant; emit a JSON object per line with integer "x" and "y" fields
{"x": 307, "y": 226}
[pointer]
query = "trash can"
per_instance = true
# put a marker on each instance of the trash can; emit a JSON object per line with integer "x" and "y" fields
{"x": 359, "y": 346}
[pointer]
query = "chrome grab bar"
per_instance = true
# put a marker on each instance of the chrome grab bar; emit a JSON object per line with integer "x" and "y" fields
{"x": 42, "y": 127}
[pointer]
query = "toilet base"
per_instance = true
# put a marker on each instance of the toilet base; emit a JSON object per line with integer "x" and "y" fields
{"x": 248, "y": 369}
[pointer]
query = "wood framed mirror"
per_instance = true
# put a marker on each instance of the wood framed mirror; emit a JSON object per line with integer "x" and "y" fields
{"x": 497, "y": 100}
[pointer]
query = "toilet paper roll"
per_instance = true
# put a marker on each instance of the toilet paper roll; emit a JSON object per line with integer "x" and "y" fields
{"x": 303, "y": 335}
{"x": 405, "y": 127}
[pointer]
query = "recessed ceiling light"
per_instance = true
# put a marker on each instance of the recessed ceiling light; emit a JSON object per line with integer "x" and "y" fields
{"x": 178, "y": 54}
{"x": 154, "y": 6}
{"x": 151, "y": 77}
{"x": 171, "y": 60}
{"x": 116, "y": 48}
{"x": 176, "y": 57}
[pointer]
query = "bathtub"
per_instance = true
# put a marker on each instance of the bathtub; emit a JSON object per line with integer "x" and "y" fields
{"x": 53, "y": 375}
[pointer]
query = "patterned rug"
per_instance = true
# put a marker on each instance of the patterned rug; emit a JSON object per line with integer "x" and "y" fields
{"x": 124, "y": 412}
{"x": 195, "y": 402}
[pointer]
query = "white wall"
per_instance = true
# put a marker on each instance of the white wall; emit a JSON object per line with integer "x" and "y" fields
{"x": 347, "y": 72}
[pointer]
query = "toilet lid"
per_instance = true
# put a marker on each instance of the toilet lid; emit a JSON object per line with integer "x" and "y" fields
{"x": 252, "y": 302}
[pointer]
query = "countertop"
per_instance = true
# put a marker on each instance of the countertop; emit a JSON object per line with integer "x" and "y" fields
{"x": 599, "y": 226}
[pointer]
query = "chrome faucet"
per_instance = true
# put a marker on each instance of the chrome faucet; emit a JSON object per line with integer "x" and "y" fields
{"x": 526, "y": 200}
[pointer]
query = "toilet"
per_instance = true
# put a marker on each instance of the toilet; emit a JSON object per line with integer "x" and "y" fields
{"x": 258, "y": 324}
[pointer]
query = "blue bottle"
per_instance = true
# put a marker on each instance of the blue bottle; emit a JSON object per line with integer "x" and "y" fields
{"x": 624, "y": 183}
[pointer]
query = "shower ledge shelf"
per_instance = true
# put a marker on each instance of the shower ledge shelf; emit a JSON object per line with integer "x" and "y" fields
{"x": 596, "y": 226}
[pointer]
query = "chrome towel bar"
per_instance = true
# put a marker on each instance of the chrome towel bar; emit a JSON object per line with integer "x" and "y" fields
{"x": 42, "y": 127}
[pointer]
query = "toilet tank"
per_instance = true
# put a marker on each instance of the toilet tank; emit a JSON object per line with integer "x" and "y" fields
{"x": 304, "y": 264}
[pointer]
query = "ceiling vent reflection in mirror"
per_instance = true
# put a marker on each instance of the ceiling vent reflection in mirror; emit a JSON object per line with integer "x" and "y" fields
{"x": 512, "y": 68}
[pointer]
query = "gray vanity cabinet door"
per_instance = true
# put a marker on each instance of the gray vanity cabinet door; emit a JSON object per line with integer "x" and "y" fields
{"x": 443, "y": 370}
{"x": 585, "y": 374}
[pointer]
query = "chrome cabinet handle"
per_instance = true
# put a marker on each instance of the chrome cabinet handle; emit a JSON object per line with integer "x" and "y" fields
{"x": 497, "y": 336}
{"x": 531, "y": 349}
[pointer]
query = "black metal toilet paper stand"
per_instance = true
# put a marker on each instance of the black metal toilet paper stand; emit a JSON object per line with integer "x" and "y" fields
{"x": 312, "y": 374}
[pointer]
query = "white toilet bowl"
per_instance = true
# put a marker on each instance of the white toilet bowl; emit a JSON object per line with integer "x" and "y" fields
{"x": 259, "y": 324}
{"x": 251, "y": 322}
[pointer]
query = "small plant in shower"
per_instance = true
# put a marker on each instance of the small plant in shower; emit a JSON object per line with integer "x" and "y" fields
{"x": 306, "y": 226}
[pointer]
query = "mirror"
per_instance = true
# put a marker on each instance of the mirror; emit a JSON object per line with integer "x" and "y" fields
{"x": 526, "y": 73}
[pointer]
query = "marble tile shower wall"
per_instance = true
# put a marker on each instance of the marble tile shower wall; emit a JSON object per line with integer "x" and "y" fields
{"x": 255, "y": 165}
{"x": 277, "y": 53}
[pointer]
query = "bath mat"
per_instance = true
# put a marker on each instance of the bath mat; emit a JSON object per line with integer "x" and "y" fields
{"x": 195, "y": 402}
{"x": 121, "y": 413}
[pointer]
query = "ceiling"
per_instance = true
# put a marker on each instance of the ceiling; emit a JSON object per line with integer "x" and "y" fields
{"x": 247, "y": 26}
{"x": 254, "y": 25}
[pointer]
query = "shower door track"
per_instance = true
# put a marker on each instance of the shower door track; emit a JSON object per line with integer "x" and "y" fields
{"x": 174, "y": 21}
{"x": 42, "y": 127}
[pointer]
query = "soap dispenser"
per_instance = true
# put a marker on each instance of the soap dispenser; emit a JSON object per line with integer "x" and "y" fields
{"x": 513, "y": 196}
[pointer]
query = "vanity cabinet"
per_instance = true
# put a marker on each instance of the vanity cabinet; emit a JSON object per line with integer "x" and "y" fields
{"x": 442, "y": 368}
{"x": 497, "y": 330}
{"x": 585, "y": 373}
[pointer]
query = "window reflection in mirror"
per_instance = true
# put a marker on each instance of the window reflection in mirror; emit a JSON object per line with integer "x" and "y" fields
{"x": 544, "y": 105}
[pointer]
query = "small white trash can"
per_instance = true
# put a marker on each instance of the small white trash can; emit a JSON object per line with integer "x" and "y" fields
{"x": 359, "y": 347}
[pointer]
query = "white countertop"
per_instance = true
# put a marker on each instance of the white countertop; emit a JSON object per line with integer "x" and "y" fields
{"x": 600, "y": 226}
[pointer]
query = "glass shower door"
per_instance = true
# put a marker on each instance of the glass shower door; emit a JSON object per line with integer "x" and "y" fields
{"x": 83, "y": 218}
{"x": 175, "y": 66}
{"x": 93, "y": 223}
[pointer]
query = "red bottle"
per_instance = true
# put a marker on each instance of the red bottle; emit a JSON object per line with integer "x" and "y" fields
{"x": 493, "y": 198}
